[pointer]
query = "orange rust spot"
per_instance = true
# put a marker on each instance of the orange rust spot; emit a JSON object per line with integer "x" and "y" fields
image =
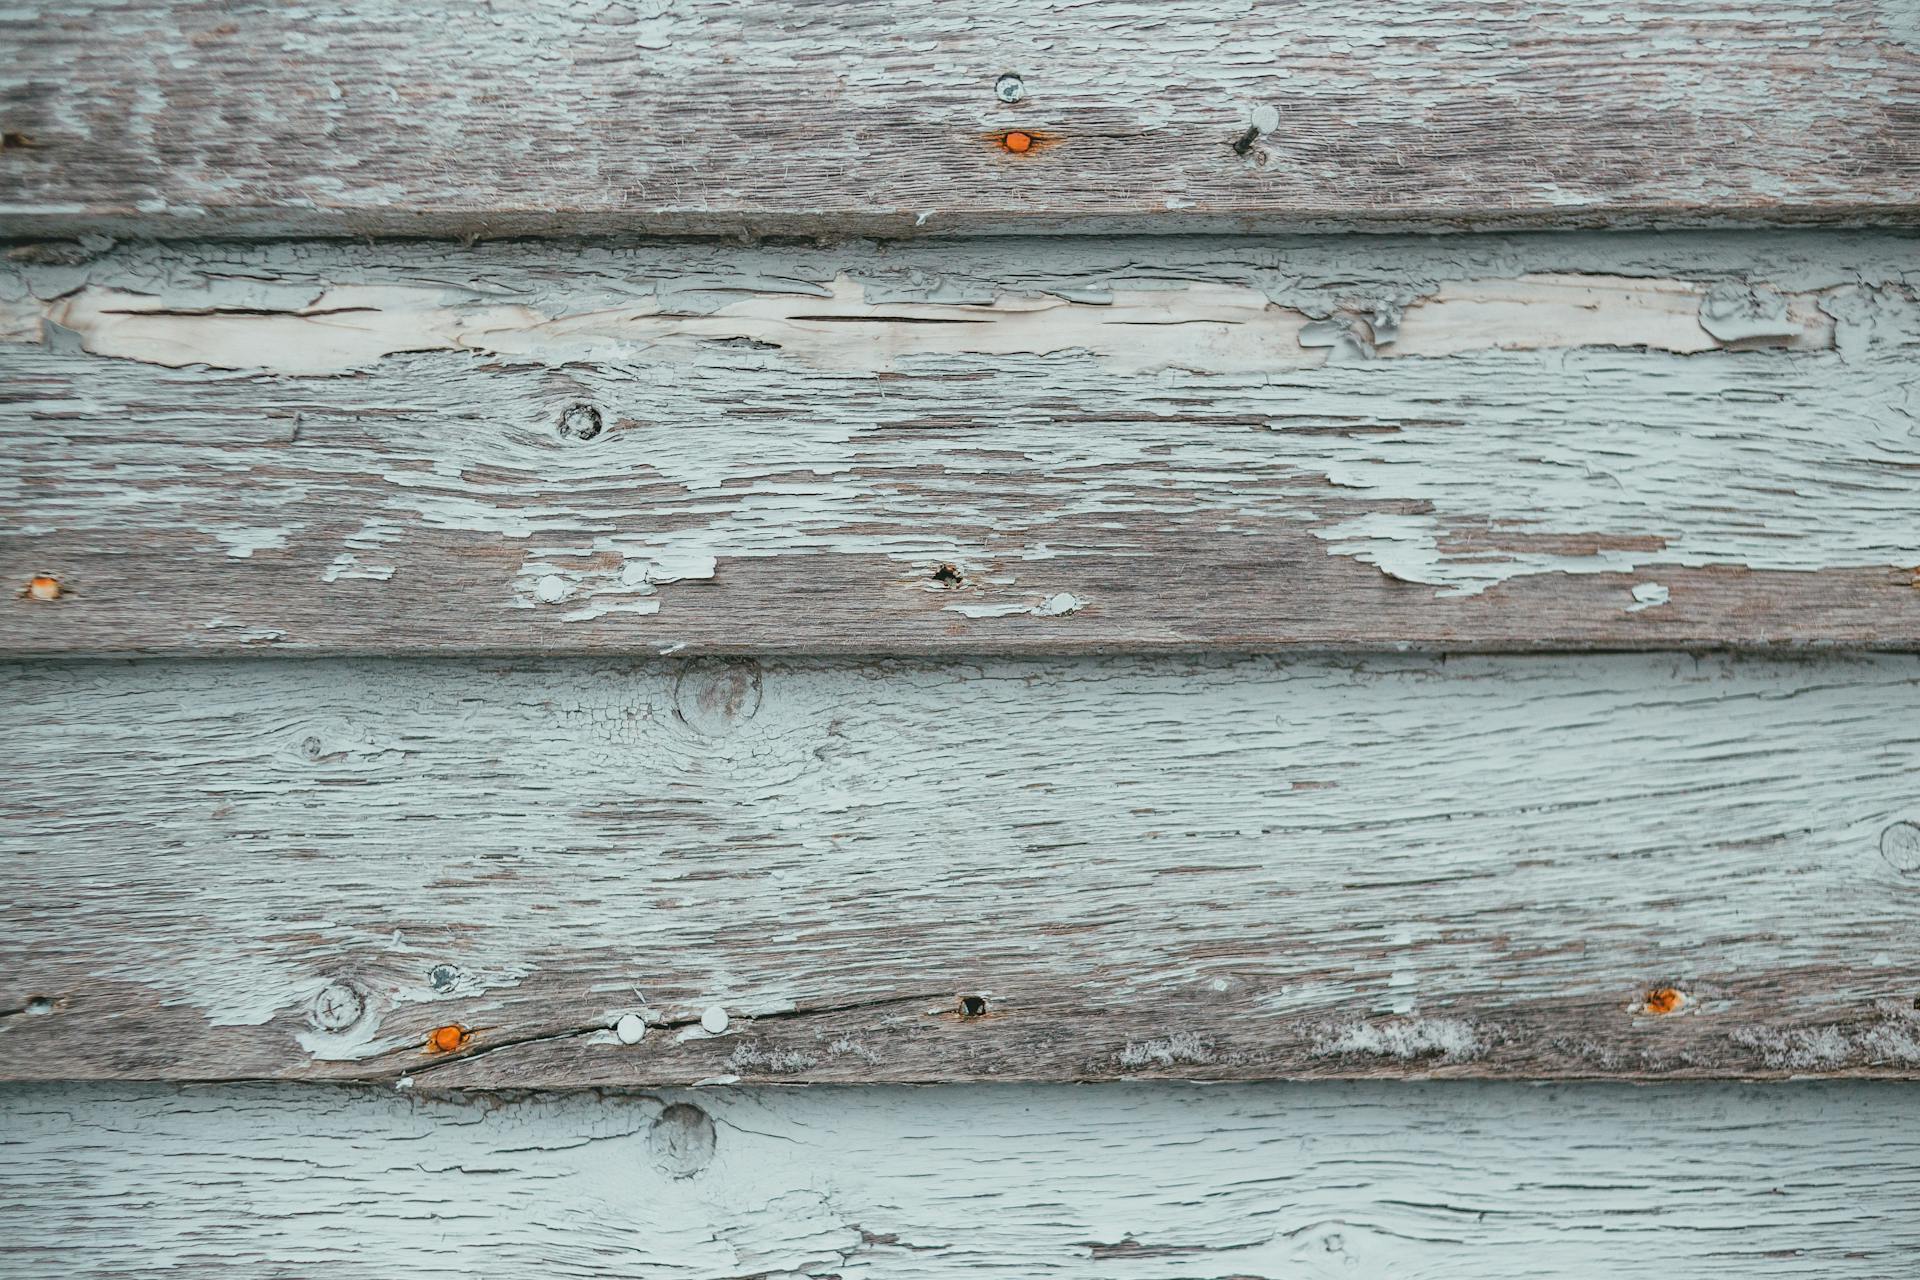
{"x": 1664, "y": 1000}
{"x": 43, "y": 587}
{"x": 446, "y": 1039}
{"x": 1017, "y": 141}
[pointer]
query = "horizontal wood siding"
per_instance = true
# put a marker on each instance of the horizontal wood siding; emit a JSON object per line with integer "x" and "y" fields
{"x": 1013, "y": 446}
{"x": 410, "y": 118}
{"x": 1170, "y": 1182}
{"x": 1640, "y": 867}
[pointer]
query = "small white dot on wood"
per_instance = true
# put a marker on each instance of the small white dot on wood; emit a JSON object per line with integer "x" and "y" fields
{"x": 714, "y": 1020}
{"x": 630, "y": 1028}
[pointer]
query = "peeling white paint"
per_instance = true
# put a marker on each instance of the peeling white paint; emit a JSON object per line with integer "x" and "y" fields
{"x": 1562, "y": 418}
{"x": 1206, "y": 328}
{"x": 1444, "y": 1180}
{"x": 1648, "y": 595}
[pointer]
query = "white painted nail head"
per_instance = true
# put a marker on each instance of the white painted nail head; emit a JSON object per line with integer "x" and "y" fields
{"x": 630, "y": 1028}
{"x": 714, "y": 1020}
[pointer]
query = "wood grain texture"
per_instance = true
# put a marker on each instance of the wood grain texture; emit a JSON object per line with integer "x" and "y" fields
{"x": 1472, "y": 868}
{"x": 1168, "y": 1182}
{"x": 518, "y": 117}
{"x": 991, "y": 446}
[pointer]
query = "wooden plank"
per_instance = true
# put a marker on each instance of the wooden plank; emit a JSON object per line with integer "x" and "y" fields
{"x": 1015, "y": 446}
{"x": 1167, "y": 1182}
{"x": 520, "y": 117}
{"x": 1336, "y": 867}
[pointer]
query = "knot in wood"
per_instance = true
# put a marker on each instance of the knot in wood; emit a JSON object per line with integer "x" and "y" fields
{"x": 681, "y": 1140}
{"x": 711, "y": 697}
{"x": 337, "y": 1007}
{"x": 580, "y": 421}
{"x": 1900, "y": 846}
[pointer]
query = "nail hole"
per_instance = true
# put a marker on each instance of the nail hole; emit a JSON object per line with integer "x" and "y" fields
{"x": 312, "y": 748}
{"x": 1664, "y": 1000}
{"x": 1009, "y": 88}
{"x": 947, "y": 576}
{"x": 580, "y": 421}
{"x": 42, "y": 586}
{"x": 443, "y": 977}
{"x": 39, "y": 1006}
{"x": 13, "y": 140}
{"x": 972, "y": 1006}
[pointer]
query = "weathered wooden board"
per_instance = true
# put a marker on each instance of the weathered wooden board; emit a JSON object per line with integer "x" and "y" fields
{"x": 1168, "y": 1182}
{"x": 519, "y": 117}
{"x": 1017, "y": 445}
{"x": 1162, "y": 867}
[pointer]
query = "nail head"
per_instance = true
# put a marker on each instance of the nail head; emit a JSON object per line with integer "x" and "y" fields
{"x": 714, "y": 1020}
{"x": 630, "y": 1028}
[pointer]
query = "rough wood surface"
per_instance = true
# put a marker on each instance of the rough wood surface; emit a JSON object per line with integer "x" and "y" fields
{"x": 397, "y": 116}
{"x": 1402, "y": 866}
{"x": 1017, "y": 445}
{"x": 1447, "y": 1182}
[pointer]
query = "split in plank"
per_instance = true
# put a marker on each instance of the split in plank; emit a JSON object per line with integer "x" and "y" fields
{"x": 1626, "y": 866}
{"x": 153, "y": 117}
{"x": 1007, "y": 446}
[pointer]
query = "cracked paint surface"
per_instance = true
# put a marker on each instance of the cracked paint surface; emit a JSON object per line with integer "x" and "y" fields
{"x": 1458, "y": 415}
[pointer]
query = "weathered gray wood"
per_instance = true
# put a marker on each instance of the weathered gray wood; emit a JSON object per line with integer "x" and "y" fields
{"x": 1019, "y": 445}
{"x": 1448, "y": 1182}
{"x": 398, "y": 116}
{"x": 1164, "y": 868}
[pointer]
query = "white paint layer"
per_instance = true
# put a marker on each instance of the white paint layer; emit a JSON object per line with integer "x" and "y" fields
{"x": 1168, "y": 1182}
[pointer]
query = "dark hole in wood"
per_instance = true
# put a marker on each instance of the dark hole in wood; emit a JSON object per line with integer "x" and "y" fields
{"x": 972, "y": 1006}
{"x": 39, "y": 1005}
{"x": 947, "y": 576}
{"x": 580, "y": 422}
{"x": 13, "y": 140}
{"x": 312, "y": 748}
